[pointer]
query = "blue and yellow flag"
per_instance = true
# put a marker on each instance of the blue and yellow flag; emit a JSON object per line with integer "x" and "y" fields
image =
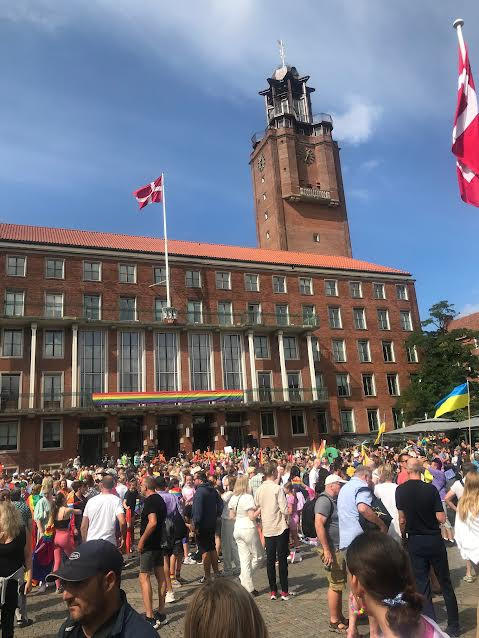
{"x": 458, "y": 398}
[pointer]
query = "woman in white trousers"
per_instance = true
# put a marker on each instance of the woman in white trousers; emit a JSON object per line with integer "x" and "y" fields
{"x": 228, "y": 543}
{"x": 244, "y": 512}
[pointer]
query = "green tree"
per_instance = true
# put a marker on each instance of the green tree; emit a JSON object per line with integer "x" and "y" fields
{"x": 445, "y": 361}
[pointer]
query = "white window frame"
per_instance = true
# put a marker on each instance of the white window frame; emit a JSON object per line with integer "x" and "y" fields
{"x": 398, "y": 388}
{"x": 20, "y": 383}
{"x": 45, "y": 330}
{"x": 199, "y": 279}
{"x": 298, "y": 356}
{"x": 280, "y": 292}
{"x": 88, "y": 261}
{"x": 62, "y": 386}
{"x": 24, "y": 265}
{"x": 58, "y": 294}
{"x": 228, "y": 279}
{"x": 344, "y": 350}
{"x": 47, "y": 259}
{"x": 135, "y": 318}
{"x": 340, "y": 326}
{"x": 126, "y": 265}
{"x": 401, "y": 314}
{"x": 300, "y": 389}
{"x": 228, "y": 315}
{"x": 353, "y": 420}
{"x": 17, "y": 449}
{"x": 403, "y": 287}
{"x": 161, "y": 282}
{"x": 392, "y": 350}
{"x": 251, "y": 274}
{"x": 259, "y": 315}
{"x": 364, "y": 317}
{"x": 412, "y": 349}
{"x": 348, "y": 384}
{"x": 373, "y": 384}
{"x": 312, "y": 319}
{"x": 6, "y": 356}
{"x": 51, "y": 449}
{"x": 188, "y": 313}
{"x": 383, "y": 286}
{"x": 305, "y": 423}
{"x": 93, "y": 294}
{"x": 14, "y": 292}
{"x": 378, "y": 418}
{"x": 360, "y": 296}
{"x": 368, "y": 360}
{"x": 268, "y": 436}
{"x": 286, "y": 316}
{"x": 329, "y": 281}
{"x": 301, "y": 286}
{"x": 267, "y": 346}
{"x": 388, "y": 323}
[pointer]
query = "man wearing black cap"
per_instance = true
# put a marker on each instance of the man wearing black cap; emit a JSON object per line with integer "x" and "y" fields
{"x": 97, "y": 606}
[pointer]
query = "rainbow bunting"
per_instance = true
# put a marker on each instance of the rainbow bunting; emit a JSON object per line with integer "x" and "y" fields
{"x": 201, "y": 396}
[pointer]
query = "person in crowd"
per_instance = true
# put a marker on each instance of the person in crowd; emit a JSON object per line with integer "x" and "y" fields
{"x": 244, "y": 512}
{"x": 403, "y": 475}
{"x": 255, "y": 478}
{"x": 421, "y": 513}
{"x": 231, "y": 561}
{"x": 77, "y": 500}
{"x": 223, "y": 608}
{"x": 172, "y": 545}
{"x": 207, "y": 507}
{"x": 439, "y": 482}
{"x": 15, "y": 562}
{"x": 153, "y": 518}
{"x": 130, "y": 500}
{"x": 21, "y": 614}
{"x": 386, "y": 491}
{"x": 101, "y": 515}
{"x": 271, "y": 501}
{"x": 326, "y": 522}
{"x": 64, "y": 538}
{"x": 382, "y": 586}
{"x": 295, "y": 501}
{"x": 63, "y": 487}
{"x": 43, "y": 508}
{"x": 91, "y": 590}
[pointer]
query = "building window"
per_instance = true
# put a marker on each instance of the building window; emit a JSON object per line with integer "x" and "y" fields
{"x": 279, "y": 283}
{"x": 383, "y": 319}
{"x": 363, "y": 351}
{"x": 254, "y": 313}
{"x": 130, "y": 364}
{"x": 339, "y": 350}
{"x": 379, "y": 291}
{"x": 193, "y": 279}
{"x": 127, "y": 273}
{"x": 294, "y": 386}
{"x": 14, "y": 303}
{"x": 225, "y": 313}
{"x": 330, "y": 287}
{"x": 159, "y": 275}
{"x": 369, "y": 387}
{"x": 411, "y": 354}
{"x": 200, "y": 361}
{"x": 10, "y": 391}
{"x": 268, "y": 427}
{"x": 264, "y": 387}
{"x": 342, "y": 384}
{"x": 373, "y": 420}
{"x": 298, "y": 425}
{"x": 393, "y": 384}
{"x": 315, "y": 348}
{"x": 398, "y": 421}
{"x": 305, "y": 286}
{"x": 316, "y": 238}
{"x": 251, "y": 282}
{"x": 322, "y": 419}
{"x": 91, "y": 361}
{"x": 53, "y": 348}
{"x": 55, "y": 269}
{"x": 347, "y": 420}
{"x": 232, "y": 373}
{"x": 282, "y": 315}
{"x": 160, "y": 305}
{"x": 355, "y": 289}
{"x": 92, "y": 271}
{"x": 52, "y": 390}
{"x": 359, "y": 316}
{"x": 334, "y": 315}
{"x": 195, "y": 312}
{"x": 401, "y": 292}
{"x": 128, "y": 309}
{"x": 12, "y": 343}
{"x": 406, "y": 323}
{"x": 319, "y": 380}
{"x": 309, "y": 316}
{"x": 290, "y": 347}
{"x": 92, "y": 306}
{"x": 261, "y": 347}
{"x": 166, "y": 361}
{"x": 223, "y": 280}
{"x": 8, "y": 436}
{"x": 51, "y": 434}
{"x": 54, "y": 305}
{"x": 388, "y": 351}
{"x": 267, "y": 234}
{"x": 16, "y": 266}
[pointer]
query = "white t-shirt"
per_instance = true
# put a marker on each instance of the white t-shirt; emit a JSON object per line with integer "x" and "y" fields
{"x": 121, "y": 490}
{"x": 101, "y": 512}
{"x": 241, "y": 505}
{"x": 387, "y": 493}
{"x": 457, "y": 488}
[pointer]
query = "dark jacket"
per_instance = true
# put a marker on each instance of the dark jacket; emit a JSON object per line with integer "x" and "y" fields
{"x": 207, "y": 506}
{"x": 126, "y": 623}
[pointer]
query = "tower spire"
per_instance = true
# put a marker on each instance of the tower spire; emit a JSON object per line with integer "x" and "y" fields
{"x": 282, "y": 52}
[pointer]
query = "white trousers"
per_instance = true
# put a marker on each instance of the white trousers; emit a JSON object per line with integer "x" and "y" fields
{"x": 228, "y": 545}
{"x": 250, "y": 554}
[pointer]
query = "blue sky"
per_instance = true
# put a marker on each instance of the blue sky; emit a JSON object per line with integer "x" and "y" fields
{"x": 99, "y": 98}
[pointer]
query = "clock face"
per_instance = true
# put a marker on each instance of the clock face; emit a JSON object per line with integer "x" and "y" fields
{"x": 308, "y": 156}
{"x": 261, "y": 162}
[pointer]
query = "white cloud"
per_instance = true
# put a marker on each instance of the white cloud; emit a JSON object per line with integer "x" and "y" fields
{"x": 356, "y": 124}
{"x": 43, "y": 14}
{"x": 360, "y": 194}
{"x": 469, "y": 309}
{"x": 369, "y": 165}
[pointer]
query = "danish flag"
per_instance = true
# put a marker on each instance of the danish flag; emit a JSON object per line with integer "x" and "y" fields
{"x": 152, "y": 192}
{"x": 465, "y": 135}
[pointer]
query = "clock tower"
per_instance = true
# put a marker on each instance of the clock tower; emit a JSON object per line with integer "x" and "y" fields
{"x": 297, "y": 183}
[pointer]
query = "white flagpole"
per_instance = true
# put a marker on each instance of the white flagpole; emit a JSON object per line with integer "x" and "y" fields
{"x": 469, "y": 416}
{"x": 167, "y": 267}
{"x": 458, "y": 24}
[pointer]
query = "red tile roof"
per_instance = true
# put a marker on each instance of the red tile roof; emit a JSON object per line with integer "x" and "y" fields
{"x": 91, "y": 239}
{"x": 469, "y": 322}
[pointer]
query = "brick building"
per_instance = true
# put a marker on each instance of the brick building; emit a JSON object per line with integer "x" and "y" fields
{"x": 313, "y": 338}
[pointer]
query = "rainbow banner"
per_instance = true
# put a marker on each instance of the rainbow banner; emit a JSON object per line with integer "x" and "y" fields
{"x": 164, "y": 398}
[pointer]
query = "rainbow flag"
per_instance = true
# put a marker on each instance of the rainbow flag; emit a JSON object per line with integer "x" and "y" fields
{"x": 164, "y": 398}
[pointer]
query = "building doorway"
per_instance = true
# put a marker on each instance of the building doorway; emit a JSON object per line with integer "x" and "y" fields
{"x": 90, "y": 441}
{"x": 235, "y": 430}
{"x": 202, "y": 432}
{"x": 131, "y": 435}
{"x": 168, "y": 437}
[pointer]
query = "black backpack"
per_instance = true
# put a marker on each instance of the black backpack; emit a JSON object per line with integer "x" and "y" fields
{"x": 307, "y": 519}
{"x": 378, "y": 508}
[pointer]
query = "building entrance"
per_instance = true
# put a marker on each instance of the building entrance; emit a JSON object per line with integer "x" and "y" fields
{"x": 168, "y": 437}
{"x": 202, "y": 432}
{"x": 131, "y": 435}
{"x": 235, "y": 430}
{"x": 90, "y": 441}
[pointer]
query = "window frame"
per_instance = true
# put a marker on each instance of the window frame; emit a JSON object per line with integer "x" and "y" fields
{"x": 348, "y": 385}
{"x": 404, "y": 288}
{"x": 305, "y": 423}
{"x": 220, "y": 273}
{"x": 396, "y": 384}
{"x": 135, "y": 309}
{"x": 127, "y": 266}
{"x": 161, "y": 282}
{"x": 267, "y": 347}
{"x": 60, "y": 331}
{"x": 189, "y": 313}
{"x": 22, "y": 347}
{"x": 14, "y": 292}
{"x": 87, "y": 261}
{"x": 380, "y": 323}
{"x": 402, "y": 313}
{"x": 275, "y": 425}
{"x": 410, "y": 349}
{"x": 89, "y": 294}
{"x": 251, "y": 274}
{"x": 393, "y": 360}
{"x": 13, "y": 373}
{"x": 368, "y": 346}
{"x": 333, "y": 341}
{"x": 193, "y": 274}
{"x": 383, "y": 288}
{"x": 54, "y": 259}
{"x": 54, "y": 306}
{"x": 17, "y": 448}
{"x": 310, "y": 320}
{"x": 296, "y": 348}
{"x": 378, "y": 418}
{"x": 285, "y": 285}
{"x": 226, "y": 315}
{"x": 52, "y": 373}
{"x": 359, "y": 284}
{"x": 24, "y": 257}
{"x": 363, "y": 312}
{"x": 373, "y": 384}
{"x": 48, "y": 449}
{"x": 326, "y": 288}
{"x": 353, "y": 420}
{"x": 303, "y": 289}
{"x": 285, "y": 316}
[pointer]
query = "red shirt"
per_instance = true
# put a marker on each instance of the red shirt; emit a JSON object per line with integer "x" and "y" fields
{"x": 403, "y": 476}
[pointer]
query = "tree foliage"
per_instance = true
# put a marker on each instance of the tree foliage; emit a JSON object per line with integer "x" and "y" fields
{"x": 446, "y": 360}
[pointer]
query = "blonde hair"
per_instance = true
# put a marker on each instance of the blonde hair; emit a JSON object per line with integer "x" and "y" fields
{"x": 47, "y": 485}
{"x": 241, "y": 485}
{"x": 386, "y": 473}
{"x": 10, "y": 521}
{"x": 469, "y": 502}
{"x": 222, "y": 607}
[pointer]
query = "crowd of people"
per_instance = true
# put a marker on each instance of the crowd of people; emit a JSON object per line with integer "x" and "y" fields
{"x": 381, "y": 518}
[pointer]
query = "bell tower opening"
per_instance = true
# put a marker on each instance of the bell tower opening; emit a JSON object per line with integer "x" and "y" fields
{"x": 296, "y": 171}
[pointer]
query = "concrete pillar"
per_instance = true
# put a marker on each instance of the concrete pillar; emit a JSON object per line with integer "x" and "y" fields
{"x": 312, "y": 371}
{"x": 252, "y": 366}
{"x": 74, "y": 402}
{"x": 33, "y": 354}
{"x": 284, "y": 376}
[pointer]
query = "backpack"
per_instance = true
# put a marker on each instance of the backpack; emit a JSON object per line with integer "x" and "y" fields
{"x": 378, "y": 508}
{"x": 173, "y": 530}
{"x": 307, "y": 519}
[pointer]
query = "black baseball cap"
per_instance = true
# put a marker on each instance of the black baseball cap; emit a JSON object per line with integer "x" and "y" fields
{"x": 92, "y": 557}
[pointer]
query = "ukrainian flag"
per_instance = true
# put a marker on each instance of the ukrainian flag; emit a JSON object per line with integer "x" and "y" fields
{"x": 458, "y": 398}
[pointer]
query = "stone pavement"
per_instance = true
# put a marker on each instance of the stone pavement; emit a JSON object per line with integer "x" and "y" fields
{"x": 305, "y": 615}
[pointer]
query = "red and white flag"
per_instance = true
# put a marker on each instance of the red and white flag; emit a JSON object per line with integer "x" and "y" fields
{"x": 465, "y": 135}
{"x": 152, "y": 192}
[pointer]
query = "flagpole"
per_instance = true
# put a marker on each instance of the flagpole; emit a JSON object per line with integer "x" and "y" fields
{"x": 458, "y": 24}
{"x": 165, "y": 236}
{"x": 469, "y": 415}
